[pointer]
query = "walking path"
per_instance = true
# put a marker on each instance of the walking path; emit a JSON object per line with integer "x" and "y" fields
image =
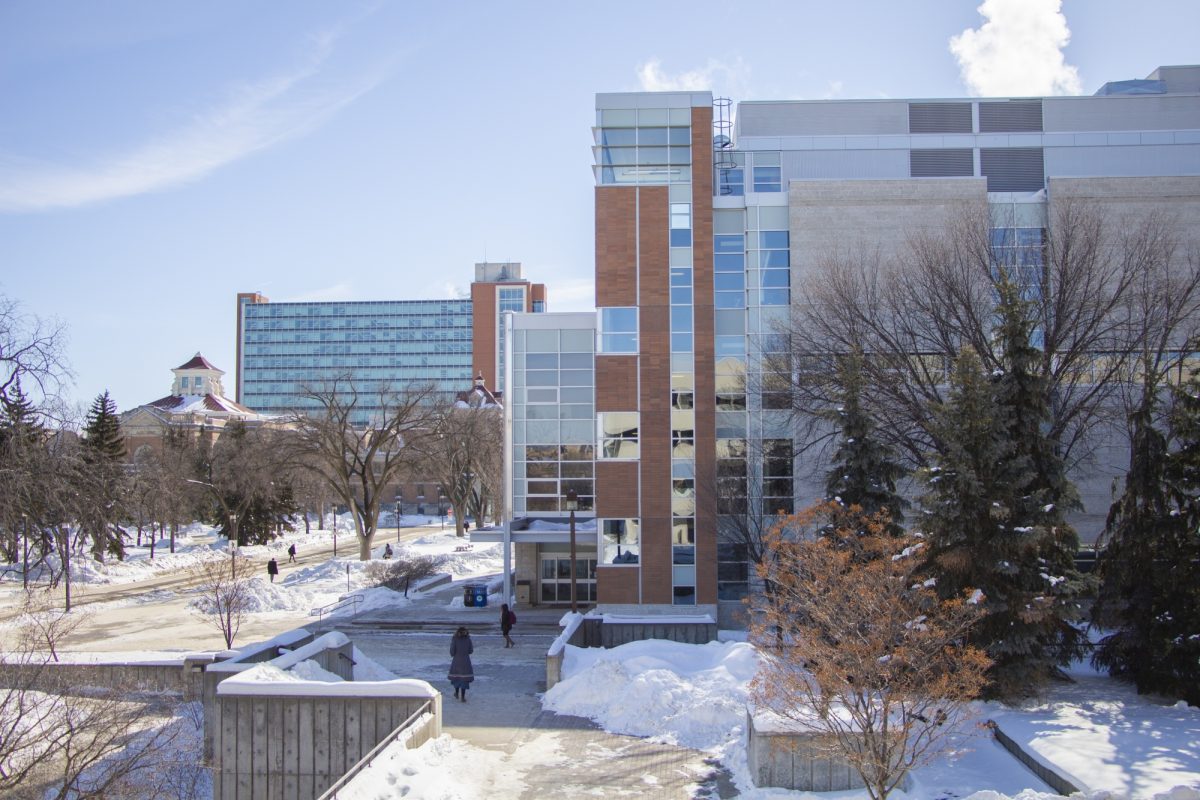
{"x": 553, "y": 755}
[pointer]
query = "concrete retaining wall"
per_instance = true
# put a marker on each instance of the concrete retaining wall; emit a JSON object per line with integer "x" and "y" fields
{"x": 294, "y": 748}
{"x": 170, "y": 677}
{"x": 795, "y": 761}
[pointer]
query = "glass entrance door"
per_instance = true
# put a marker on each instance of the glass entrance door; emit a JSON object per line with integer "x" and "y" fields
{"x": 556, "y": 579}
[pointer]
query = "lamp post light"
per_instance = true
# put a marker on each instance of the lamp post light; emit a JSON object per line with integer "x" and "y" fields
{"x": 335, "y": 521}
{"x": 572, "y": 505}
{"x": 399, "y": 499}
{"x": 25, "y": 567}
{"x": 441, "y": 510}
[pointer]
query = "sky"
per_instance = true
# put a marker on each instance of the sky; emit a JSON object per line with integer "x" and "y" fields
{"x": 158, "y": 158}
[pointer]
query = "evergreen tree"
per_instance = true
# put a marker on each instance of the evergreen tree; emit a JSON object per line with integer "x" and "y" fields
{"x": 1149, "y": 596}
{"x": 864, "y": 470}
{"x": 979, "y": 535}
{"x": 103, "y": 430}
{"x": 21, "y": 433}
{"x": 104, "y": 481}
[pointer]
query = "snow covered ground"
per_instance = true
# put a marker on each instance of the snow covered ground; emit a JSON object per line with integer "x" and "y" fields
{"x": 1111, "y": 741}
{"x": 1100, "y": 733}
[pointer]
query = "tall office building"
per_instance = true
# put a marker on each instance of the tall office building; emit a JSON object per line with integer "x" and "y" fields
{"x": 705, "y": 220}
{"x": 382, "y": 344}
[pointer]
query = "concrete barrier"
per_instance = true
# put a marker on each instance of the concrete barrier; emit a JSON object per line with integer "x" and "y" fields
{"x": 159, "y": 677}
{"x": 295, "y": 748}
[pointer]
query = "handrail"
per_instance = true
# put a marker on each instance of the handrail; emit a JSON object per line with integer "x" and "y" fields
{"x": 365, "y": 761}
{"x": 342, "y": 602}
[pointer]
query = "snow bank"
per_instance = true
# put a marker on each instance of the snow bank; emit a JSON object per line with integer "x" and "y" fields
{"x": 684, "y": 694}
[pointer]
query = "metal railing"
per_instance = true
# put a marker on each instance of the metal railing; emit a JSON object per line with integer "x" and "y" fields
{"x": 353, "y": 600}
{"x": 365, "y": 761}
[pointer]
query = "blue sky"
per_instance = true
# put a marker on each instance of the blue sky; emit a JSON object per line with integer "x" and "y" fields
{"x": 156, "y": 158}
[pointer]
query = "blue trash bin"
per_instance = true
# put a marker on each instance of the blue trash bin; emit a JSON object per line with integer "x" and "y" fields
{"x": 480, "y": 599}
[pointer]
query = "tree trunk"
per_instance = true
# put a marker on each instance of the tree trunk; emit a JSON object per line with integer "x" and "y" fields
{"x": 364, "y": 546}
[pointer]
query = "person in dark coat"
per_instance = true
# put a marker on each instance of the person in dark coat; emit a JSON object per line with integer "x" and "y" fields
{"x": 291, "y": 553}
{"x": 507, "y": 618}
{"x": 461, "y": 671}
{"x": 272, "y": 569}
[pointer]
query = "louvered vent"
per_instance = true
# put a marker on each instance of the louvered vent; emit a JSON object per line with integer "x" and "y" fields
{"x": 1010, "y": 116}
{"x": 941, "y": 163}
{"x": 1012, "y": 169}
{"x": 939, "y": 118}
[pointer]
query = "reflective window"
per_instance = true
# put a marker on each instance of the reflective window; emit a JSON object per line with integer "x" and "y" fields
{"x": 767, "y": 179}
{"x": 618, "y": 330}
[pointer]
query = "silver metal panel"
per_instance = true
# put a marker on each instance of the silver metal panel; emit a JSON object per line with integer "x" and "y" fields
{"x": 802, "y": 165}
{"x": 1123, "y": 161}
{"x": 833, "y": 117}
{"x": 1138, "y": 112}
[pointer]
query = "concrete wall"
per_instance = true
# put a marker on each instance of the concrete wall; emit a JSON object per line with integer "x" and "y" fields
{"x": 295, "y": 748}
{"x": 844, "y": 218}
{"x": 174, "y": 677}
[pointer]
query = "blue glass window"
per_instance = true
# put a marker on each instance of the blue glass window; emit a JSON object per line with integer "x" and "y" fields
{"x": 767, "y": 179}
{"x": 774, "y": 297}
{"x": 729, "y": 243}
{"x": 730, "y": 299}
{"x": 681, "y": 342}
{"x": 773, "y": 258}
{"x": 773, "y": 240}
{"x": 681, "y": 295}
{"x": 618, "y": 330}
{"x": 681, "y": 237}
{"x": 729, "y": 280}
{"x": 731, "y": 183}
{"x": 729, "y": 262}
{"x": 681, "y": 276}
{"x": 775, "y": 278}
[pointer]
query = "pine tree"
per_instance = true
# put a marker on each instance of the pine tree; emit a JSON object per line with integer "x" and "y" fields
{"x": 1149, "y": 596}
{"x": 980, "y": 536}
{"x": 103, "y": 430}
{"x": 104, "y": 455}
{"x": 864, "y": 470}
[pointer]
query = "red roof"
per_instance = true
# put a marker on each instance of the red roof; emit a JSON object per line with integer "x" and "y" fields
{"x": 198, "y": 362}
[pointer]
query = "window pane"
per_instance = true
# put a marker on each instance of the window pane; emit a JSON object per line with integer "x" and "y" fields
{"x": 729, "y": 262}
{"x": 728, "y": 243}
{"x": 730, "y": 280}
{"x": 681, "y": 237}
{"x": 773, "y": 240}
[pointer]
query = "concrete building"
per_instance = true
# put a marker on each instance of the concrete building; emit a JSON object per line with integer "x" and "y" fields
{"x": 703, "y": 227}
{"x": 380, "y": 344}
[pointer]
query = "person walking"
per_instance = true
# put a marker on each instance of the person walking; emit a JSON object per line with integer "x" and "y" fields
{"x": 461, "y": 671}
{"x": 272, "y": 569}
{"x": 387, "y": 551}
{"x": 291, "y": 554}
{"x": 507, "y": 620}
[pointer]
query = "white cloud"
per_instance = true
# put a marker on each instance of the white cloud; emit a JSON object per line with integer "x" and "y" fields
{"x": 727, "y": 76}
{"x": 254, "y": 116}
{"x": 1017, "y": 50}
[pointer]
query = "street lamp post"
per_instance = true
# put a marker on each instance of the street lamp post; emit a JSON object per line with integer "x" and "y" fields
{"x": 399, "y": 499}
{"x": 25, "y": 567}
{"x": 572, "y": 504}
{"x": 441, "y": 510}
{"x": 233, "y": 544}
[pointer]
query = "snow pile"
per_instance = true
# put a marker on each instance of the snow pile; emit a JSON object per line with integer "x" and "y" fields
{"x": 684, "y": 694}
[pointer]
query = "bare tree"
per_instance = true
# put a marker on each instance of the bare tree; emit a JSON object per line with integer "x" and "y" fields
{"x": 911, "y": 315}
{"x": 857, "y": 648}
{"x": 360, "y": 444}
{"x": 398, "y": 574}
{"x": 225, "y": 594}
{"x": 58, "y": 740}
{"x": 463, "y": 451}
{"x": 31, "y": 354}
{"x": 240, "y": 469}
